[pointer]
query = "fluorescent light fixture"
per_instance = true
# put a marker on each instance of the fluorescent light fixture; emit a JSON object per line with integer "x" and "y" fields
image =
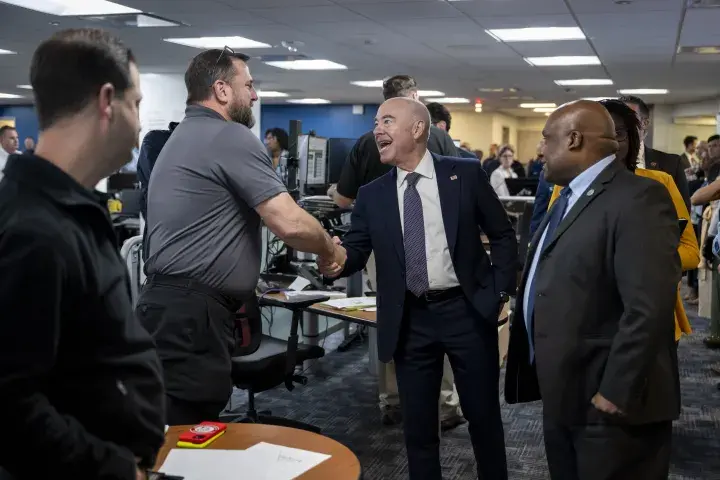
{"x": 536, "y": 34}
{"x": 74, "y": 8}
{"x": 492, "y": 90}
{"x": 309, "y": 101}
{"x": 562, "y": 61}
{"x": 543, "y": 110}
{"x": 369, "y": 83}
{"x": 271, "y": 94}
{"x": 307, "y": 65}
{"x": 584, "y": 82}
{"x": 547, "y": 114}
{"x": 430, "y": 93}
{"x": 25, "y": 87}
{"x": 218, "y": 42}
{"x": 7, "y": 52}
{"x": 538, "y": 105}
{"x": 597, "y": 99}
{"x": 9, "y": 95}
{"x": 643, "y": 91}
{"x": 448, "y": 100}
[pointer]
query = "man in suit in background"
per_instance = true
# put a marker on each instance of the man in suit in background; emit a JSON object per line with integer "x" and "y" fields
{"x": 600, "y": 350}
{"x": 655, "y": 159}
{"x": 438, "y": 293}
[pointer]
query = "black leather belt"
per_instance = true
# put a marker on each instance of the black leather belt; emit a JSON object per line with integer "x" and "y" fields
{"x": 432, "y": 296}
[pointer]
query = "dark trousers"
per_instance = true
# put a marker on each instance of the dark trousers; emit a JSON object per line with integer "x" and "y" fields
{"x": 429, "y": 331}
{"x": 183, "y": 412}
{"x": 193, "y": 328}
{"x": 692, "y": 275}
{"x": 608, "y": 452}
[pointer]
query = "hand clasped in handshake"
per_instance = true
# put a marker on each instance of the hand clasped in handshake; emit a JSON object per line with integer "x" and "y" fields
{"x": 333, "y": 264}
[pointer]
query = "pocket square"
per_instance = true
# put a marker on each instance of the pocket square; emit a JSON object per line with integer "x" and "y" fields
{"x": 454, "y": 177}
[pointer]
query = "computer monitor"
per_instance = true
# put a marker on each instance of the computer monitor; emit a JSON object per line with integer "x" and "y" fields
{"x": 338, "y": 150}
{"x": 121, "y": 181}
{"x": 526, "y": 186}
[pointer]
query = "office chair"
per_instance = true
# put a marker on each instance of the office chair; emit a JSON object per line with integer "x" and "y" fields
{"x": 262, "y": 362}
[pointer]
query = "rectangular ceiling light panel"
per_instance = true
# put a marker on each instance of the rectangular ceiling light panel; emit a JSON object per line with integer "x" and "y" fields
{"x": 73, "y": 8}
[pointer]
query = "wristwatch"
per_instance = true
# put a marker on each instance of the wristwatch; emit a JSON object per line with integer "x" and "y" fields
{"x": 504, "y": 297}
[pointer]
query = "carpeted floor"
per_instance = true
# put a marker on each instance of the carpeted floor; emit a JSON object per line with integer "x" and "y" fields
{"x": 342, "y": 400}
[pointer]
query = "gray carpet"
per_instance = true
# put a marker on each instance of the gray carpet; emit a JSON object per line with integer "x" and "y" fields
{"x": 342, "y": 400}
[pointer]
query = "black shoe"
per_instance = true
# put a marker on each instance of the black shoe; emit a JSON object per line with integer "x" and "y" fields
{"x": 391, "y": 416}
{"x": 452, "y": 422}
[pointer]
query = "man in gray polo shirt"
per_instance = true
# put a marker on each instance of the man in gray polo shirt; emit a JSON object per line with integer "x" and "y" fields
{"x": 211, "y": 185}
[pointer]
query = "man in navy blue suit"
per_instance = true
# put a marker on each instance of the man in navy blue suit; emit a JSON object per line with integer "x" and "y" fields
{"x": 438, "y": 292}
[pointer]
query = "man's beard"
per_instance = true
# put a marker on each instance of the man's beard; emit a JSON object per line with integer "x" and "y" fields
{"x": 242, "y": 115}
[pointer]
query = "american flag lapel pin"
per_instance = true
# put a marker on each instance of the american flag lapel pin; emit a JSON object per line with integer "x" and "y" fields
{"x": 454, "y": 177}
{"x": 653, "y": 164}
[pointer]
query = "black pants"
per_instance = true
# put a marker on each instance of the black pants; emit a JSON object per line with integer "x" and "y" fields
{"x": 608, "y": 452}
{"x": 429, "y": 331}
{"x": 692, "y": 275}
{"x": 193, "y": 330}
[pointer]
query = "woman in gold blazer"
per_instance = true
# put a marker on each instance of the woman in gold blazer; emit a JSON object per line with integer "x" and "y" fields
{"x": 626, "y": 133}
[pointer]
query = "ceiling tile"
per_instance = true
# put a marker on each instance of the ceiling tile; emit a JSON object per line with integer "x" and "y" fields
{"x": 637, "y": 6}
{"x": 299, "y": 15}
{"x": 491, "y": 8}
{"x": 612, "y": 32}
{"x": 701, "y": 28}
{"x": 392, "y": 11}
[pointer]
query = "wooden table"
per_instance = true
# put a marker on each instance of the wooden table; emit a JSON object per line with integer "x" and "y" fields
{"x": 355, "y": 316}
{"x": 342, "y": 464}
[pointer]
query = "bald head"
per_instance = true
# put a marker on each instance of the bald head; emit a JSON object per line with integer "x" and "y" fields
{"x": 402, "y": 128}
{"x": 576, "y": 136}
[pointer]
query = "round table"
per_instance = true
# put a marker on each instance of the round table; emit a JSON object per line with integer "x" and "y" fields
{"x": 342, "y": 464}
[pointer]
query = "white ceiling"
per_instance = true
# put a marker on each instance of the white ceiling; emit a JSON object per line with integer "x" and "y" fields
{"x": 442, "y": 44}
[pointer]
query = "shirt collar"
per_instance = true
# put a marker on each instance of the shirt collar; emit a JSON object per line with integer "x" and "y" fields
{"x": 426, "y": 168}
{"x": 200, "y": 111}
{"x": 581, "y": 183}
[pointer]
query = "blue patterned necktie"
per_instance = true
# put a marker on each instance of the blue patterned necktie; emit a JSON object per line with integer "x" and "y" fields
{"x": 557, "y": 212}
{"x": 416, "y": 275}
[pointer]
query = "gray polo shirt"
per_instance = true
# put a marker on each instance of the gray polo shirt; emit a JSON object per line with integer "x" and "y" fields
{"x": 202, "y": 225}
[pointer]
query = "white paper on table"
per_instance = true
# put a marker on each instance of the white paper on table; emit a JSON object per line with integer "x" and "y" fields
{"x": 370, "y": 309}
{"x": 352, "y": 303}
{"x": 283, "y": 463}
{"x": 200, "y": 464}
{"x": 298, "y": 284}
{"x": 313, "y": 293}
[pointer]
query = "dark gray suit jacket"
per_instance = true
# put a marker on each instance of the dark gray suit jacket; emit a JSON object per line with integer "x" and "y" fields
{"x": 604, "y": 308}
{"x": 672, "y": 165}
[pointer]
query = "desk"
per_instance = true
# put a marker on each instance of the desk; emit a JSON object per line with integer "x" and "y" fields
{"x": 342, "y": 465}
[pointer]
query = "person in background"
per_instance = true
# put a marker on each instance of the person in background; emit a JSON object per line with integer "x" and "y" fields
{"x": 433, "y": 277}
{"x": 442, "y": 119}
{"x": 626, "y": 126}
{"x": 479, "y": 154}
{"x": 152, "y": 145}
{"x": 276, "y": 141}
{"x": 8, "y": 145}
{"x": 535, "y": 166}
{"x": 212, "y": 187}
{"x": 363, "y": 166}
{"x": 506, "y": 156}
{"x": 491, "y": 162}
{"x": 652, "y": 159}
{"x": 29, "y": 145}
{"x": 592, "y": 335}
{"x": 711, "y": 164}
{"x": 688, "y": 160}
{"x": 80, "y": 380}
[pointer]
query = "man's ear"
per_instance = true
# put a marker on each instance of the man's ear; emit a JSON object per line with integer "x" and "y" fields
{"x": 220, "y": 91}
{"x": 575, "y": 140}
{"x": 105, "y": 99}
{"x": 418, "y": 129}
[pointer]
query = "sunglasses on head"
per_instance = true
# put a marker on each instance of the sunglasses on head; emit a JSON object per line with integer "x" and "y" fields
{"x": 225, "y": 51}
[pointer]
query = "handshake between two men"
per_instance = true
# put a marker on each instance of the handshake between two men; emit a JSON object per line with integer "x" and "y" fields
{"x": 333, "y": 264}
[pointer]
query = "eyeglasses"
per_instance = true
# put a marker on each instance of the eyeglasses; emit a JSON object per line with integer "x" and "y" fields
{"x": 225, "y": 51}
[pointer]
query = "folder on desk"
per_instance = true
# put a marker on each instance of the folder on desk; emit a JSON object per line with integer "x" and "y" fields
{"x": 351, "y": 303}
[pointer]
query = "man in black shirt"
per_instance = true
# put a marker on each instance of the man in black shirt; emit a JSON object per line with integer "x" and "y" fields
{"x": 80, "y": 385}
{"x": 362, "y": 166}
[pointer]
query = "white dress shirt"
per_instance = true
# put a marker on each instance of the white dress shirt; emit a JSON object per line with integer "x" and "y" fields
{"x": 441, "y": 273}
{"x": 578, "y": 186}
{"x": 497, "y": 180}
{"x": 3, "y": 160}
{"x": 641, "y": 156}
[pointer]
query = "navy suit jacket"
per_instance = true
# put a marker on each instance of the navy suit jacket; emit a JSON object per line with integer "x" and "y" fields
{"x": 468, "y": 204}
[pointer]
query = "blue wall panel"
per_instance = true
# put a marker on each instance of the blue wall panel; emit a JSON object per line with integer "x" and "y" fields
{"x": 327, "y": 120}
{"x": 26, "y": 121}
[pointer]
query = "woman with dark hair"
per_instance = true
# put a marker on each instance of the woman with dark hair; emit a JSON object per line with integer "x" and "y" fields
{"x": 627, "y": 134}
